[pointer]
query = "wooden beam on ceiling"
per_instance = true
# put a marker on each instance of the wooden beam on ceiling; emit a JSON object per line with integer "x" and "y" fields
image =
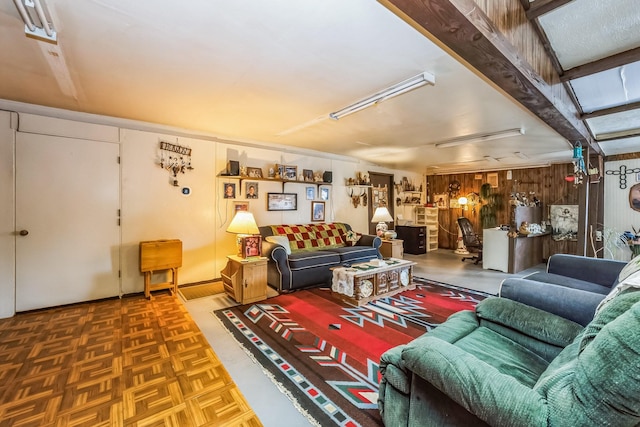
{"x": 540, "y": 7}
{"x": 611, "y": 110}
{"x": 617, "y": 60}
{"x": 462, "y": 28}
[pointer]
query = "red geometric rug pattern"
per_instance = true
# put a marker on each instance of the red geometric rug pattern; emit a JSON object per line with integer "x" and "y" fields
{"x": 324, "y": 354}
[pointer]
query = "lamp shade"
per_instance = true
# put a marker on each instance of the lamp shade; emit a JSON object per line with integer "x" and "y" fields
{"x": 382, "y": 215}
{"x": 243, "y": 223}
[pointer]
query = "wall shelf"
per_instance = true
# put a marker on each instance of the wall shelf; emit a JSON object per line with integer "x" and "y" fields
{"x": 241, "y": 178}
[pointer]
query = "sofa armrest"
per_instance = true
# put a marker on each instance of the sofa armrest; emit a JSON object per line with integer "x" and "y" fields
{"x": 538, "y": 324}
{"x": 573, "y": 304}
{"x": 369, "y": 240}
{"x": 275, "y": 252}
{"x": 596, "y": 270}
{"x": 494, "y": 397}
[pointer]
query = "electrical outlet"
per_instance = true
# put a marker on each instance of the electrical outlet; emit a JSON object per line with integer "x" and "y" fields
{"x": 598, "y": 236}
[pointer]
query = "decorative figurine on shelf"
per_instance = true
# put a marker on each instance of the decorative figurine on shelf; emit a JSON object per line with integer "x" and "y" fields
{"x": 243, "y": 171}
{"x": 317, "y": 176}
{"x": 272, "y": 173}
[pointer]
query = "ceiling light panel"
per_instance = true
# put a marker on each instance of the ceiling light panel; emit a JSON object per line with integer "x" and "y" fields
{"x": 392, "y": 91}
{"x": 471, "y": 139}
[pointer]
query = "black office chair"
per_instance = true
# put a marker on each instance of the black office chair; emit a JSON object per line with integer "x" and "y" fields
{"x": 471, "y": 240}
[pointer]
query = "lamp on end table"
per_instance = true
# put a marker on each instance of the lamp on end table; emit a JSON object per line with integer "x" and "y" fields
{"x": 244, "y": 225}
{"x": 382, "y": 216}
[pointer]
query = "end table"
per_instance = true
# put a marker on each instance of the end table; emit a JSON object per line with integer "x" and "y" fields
{"x": 392, "y": 248}
{"x": 245, "y": 279}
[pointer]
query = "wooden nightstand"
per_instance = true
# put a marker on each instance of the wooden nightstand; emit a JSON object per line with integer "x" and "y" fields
{"x": 245, "y": 279}
{"x": 392, "y": 248}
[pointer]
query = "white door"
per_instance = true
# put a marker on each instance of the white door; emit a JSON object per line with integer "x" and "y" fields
{"x": 67, "y": 206}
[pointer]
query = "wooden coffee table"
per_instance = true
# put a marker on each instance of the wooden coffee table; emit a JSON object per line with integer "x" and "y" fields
{"x": 363, "y": 283}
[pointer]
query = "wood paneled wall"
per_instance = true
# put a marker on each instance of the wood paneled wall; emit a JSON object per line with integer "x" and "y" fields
{"x": 548, "y": 184}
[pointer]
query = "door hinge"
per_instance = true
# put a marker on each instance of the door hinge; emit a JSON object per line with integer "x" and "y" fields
{"x": 118, "y": 159}
{"x": 118, "y": 222}
{"x": 119, "y": 273}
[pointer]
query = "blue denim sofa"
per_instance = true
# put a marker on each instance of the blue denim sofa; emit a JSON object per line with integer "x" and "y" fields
{"x": 301, "y": 255}
{"x": 572, "y": 286}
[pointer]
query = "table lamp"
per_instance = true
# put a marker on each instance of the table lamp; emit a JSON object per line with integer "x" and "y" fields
{"x": 461, "y": 249}
{"x": 244, "y": 225}
{"x": 382, "y": 216}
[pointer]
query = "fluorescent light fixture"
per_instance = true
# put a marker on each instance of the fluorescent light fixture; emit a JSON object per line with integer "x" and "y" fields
{"x": 470, "y": 139}
{"x": 521, "y": 155}
{"x": 36, "y": 21}
{"x": 395, "y": 90}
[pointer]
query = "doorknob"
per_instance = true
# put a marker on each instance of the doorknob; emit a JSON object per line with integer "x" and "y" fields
{"x": 24, "y": 232}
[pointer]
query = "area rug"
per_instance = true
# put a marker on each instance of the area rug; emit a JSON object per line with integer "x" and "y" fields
{"x": 324, "y": 354}
{"x": 200, "y": 291}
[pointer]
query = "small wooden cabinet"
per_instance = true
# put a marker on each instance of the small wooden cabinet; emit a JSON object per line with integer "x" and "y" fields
{"x": 415, "y": 238}
{"x": 392, "y": 249}
{"x": 159, "y": 255}
{"x": 245, "y": 279}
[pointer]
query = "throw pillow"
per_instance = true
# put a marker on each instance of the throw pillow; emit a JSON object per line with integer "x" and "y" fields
{"x": 280, "y": 240}
{"x": 632, "y": 267}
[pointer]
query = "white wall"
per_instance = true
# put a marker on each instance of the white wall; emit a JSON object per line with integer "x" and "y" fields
{"x": 618, "y": 215}
{"x": 152, "y": 208}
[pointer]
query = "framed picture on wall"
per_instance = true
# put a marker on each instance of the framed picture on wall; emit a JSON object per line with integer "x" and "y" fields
{"x": 229, "y": 190}
{"x": 492, "y": 179}
{"x": 324, "y": 193}
{"x": 251, "y": 188}
{"x": 311, "y": 193}
{"x": 282, "y": 201}
{"x": 240, "y": 206}
{"x": 317, "y": 211}
{"x": 441, "y": 200}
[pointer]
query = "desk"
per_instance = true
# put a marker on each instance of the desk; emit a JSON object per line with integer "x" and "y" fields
{"x": 495, "y": 249}
{"x": 510, "y": 255}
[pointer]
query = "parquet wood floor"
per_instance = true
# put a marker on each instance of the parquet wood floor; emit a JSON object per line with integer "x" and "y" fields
{"x": 120, "y": 362}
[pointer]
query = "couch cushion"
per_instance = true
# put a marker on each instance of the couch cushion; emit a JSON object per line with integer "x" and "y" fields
{"x": 302, "y": 260}
{"x": 568, "y": 282}
{"x": 355, "y": 254}
{"x": 507, "y": 356}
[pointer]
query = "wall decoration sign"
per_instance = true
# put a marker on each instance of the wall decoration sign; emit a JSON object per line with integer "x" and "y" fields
{"x": 564, "y": 222}
{"x": 622, "y": 173}
{"x": 175, "y": 158}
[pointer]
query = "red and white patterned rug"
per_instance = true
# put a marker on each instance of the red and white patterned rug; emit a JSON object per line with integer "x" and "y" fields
{"x": 325, "y": 354}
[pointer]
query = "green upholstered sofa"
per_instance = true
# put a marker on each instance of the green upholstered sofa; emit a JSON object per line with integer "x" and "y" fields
{"x": 510, "y": 364}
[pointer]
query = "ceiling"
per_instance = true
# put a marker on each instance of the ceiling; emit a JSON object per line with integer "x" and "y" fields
{"x": 271, "y": 72}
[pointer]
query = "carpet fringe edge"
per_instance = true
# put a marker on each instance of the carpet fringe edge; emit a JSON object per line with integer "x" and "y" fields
{"x": 271, "y": 377}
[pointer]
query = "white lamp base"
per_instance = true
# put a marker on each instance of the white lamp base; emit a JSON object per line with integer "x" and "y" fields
{"x": 462, "y": 249}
